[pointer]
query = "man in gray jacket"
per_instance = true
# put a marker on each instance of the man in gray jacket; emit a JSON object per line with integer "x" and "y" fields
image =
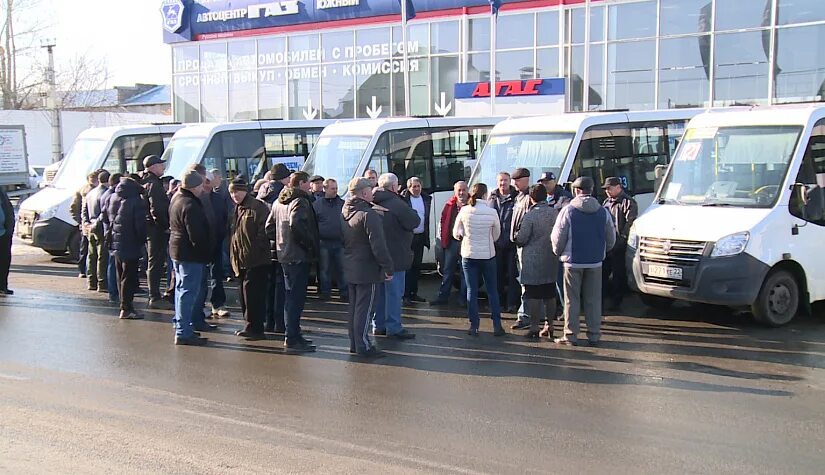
{"x": 367, "y": 263}
{"x": 583, "y": 234}
{"x": 521, "y": 181}
{"x": 400, "y": 220}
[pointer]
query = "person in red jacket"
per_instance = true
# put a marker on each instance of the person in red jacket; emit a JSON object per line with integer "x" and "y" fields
{"x": 451, "y": 247}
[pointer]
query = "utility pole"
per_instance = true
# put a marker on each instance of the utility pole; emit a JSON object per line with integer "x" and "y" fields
{"x": 51, "y": 103}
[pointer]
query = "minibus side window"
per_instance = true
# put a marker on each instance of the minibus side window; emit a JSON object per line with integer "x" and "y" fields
{"x": 812, "y": 175}
{"x": 240, "y": 151}
{"x": 287, "y": 147}
{"x": 128, "y": 152}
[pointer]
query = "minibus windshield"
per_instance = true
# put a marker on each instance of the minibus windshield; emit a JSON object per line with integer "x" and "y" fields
{"x": 337, "y": 157}
{"x": 82, "y": 160}
{"x": 538, "y": 152}
{"x": 742, "y": 166}
{"x": 182, "y": 152}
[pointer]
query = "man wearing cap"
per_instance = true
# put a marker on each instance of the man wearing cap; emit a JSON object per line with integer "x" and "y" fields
{"x": 502, "y": 200}
{"x": 293, "y": 227}
{"x": 316, "y": 187}
{"x": 157, "y": 219}
{"x": 367, "y": 263}
{"x": 270, "y": 190}
{"x": 190, "y": 245}
{"x": 624, "y": 211}
{"x": 521, "y": 181}
{"x": 581, "y": 237}
{"x": 557, "y": 197}
{"x": 249, "y": 254}
{"x": 222, "y": 206}
{"x": 198, "y": 317}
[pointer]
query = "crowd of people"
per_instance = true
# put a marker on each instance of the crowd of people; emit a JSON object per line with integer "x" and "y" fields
{"x": 540, "y": 250}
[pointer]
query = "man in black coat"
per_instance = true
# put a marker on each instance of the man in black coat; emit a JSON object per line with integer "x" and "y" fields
{"x": 127, "y": 218}
{"x": 157, "y": 218}
{"x": 421, "y": 203}
{"x": 191, "y": 246}
{"x": 331, "y": 253}
{"x": 503, "y": 199}
{"x": 5, "y": 242}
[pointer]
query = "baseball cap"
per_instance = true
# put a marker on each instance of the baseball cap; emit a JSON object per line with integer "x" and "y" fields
{"x": 584, "y": 183}
{"x": 521, "y": 173}
{"x": 611, "y": 181}
{"x": 315, "y": 178}
{"x": 151, "y": 160}
{"x": 547, "y": 176}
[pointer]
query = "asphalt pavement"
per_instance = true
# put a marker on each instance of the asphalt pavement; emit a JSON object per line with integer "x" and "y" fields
{"x": 692, "y": 390}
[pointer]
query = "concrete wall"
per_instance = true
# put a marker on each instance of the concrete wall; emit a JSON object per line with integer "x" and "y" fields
{"x": 39, "y": 131}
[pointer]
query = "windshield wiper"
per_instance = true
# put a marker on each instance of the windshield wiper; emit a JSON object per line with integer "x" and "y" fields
{"x": 716, "y": 203}
{"x": 669, "y": 201}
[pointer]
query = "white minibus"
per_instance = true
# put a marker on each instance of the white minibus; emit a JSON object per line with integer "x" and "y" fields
{"x": 740, "y": 216}
{"x": 45, "y": 220}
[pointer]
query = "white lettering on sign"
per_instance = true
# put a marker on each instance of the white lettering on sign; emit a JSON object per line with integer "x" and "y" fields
{"x": 384, "y": 67}
{"x": 324, "y": 4}
{"x": 260, "y": 10}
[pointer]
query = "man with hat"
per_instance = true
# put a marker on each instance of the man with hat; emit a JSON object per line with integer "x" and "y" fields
{"x": 521, "y": 181}
{"x": 249, "y": 254}
{"x": 589, "y": 226}
{"x": 557, "y": 197}
{"x": 624, "y": 211}
{"x": 157, "y": 220}
{"x": 316, "y": 187}
{"x": 191, "y": 246}
{"x": 270, "y": 190}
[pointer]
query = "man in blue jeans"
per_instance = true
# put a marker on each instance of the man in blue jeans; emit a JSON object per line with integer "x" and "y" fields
{"x": 191, "y": 245}
{"x": 331, "y": 260}
{"x": 293, "y": 228}
{"x": 399, "y": 221}
{"x": 451, "y": 247}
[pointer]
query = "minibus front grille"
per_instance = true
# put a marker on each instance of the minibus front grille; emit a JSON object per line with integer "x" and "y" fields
{"x": 671, "y": 251}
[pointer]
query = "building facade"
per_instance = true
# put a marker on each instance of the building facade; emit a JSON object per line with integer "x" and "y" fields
{"x": 296, "y": 59}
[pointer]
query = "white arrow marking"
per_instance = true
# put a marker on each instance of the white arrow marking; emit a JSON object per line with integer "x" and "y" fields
{"x": 445, "y": 107}
{"x": 309, "y": 112}
{"x": 375, "y": 110}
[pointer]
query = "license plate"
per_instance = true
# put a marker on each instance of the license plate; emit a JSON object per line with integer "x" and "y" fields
{"x": 665, "y": 272}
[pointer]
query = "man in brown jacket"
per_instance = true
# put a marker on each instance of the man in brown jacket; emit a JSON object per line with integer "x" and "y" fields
{"x": 249, "y": 254}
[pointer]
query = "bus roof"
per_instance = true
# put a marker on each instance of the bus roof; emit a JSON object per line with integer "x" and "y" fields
{"x": 572, "y": 122}
{"x": 372, "y": 127}
{"x": 209, "y": 128}
{"x": 105, "y": 133}
{"x": 772, "y": 115}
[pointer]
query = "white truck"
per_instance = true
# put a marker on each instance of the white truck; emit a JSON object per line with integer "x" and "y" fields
{"x": 740, "y": 215}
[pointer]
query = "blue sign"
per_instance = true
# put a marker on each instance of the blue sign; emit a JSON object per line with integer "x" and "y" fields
{"x": 516, "y": 88}
{"x": 173, "y": 15}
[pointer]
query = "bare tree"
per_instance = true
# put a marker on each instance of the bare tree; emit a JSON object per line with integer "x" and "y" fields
{"x": 20, "y": 30}
{"x": 82, "y": 83}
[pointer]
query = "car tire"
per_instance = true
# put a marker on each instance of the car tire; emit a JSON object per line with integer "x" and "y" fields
{"x": 655, "y": 301}
{"x": 56, "y": 252}
{"x": 778, "y": 299}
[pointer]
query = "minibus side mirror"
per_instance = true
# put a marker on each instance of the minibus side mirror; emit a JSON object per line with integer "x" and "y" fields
{"x": 658, "y": 176}
{"x": 799, "y": 198}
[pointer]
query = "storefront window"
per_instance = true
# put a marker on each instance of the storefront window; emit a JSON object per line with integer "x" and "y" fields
{"x": 372, "y": 43}
{"x": 186, "y": 98}
{"x": 800, "y": 63}
{"x": 547, "y": 63}
{"x": 685, "y": 16}
{"x": 575, "y": 21}
{"x": 444, "y": 37}
{"x": 242, "y": 104}
{"x": 479, "y": 34}
{"x": 515, "y": 65}
{"x": 213, "y": 57}
{"x": 241, "y": 55}
{"x": 444, "y": 75}
{"x": 741, "y": 68}
{"x": 596, "y": 23}
{"x": 800, "y": 11}
{"x": 272, "y": 52}
{"x": 303, "y": 86}
{"x": 338, "y": 93}
{"x": 304, "y": 49}
{"x": 574, "y": 67}
{"x": 478, "y": 67}
{"x": 272, "y": 99}
{"x": 514, "y": 31}
{"x": 419, "y": 89}
{"x": 417, "y": 34}
{"x": 185, "y": 59}
{"x": 372, "y": 82}
{"x": 683, "y": 74}
{"x": 548, "y": 28}
{"x": 738, "y": 14}
{"x": 214, "y": 96}
{"x": 630, "y": 76}
{"x": 596, "y": 73}
{"x": 632, "y": 20}
{"x": 336, "y": 46}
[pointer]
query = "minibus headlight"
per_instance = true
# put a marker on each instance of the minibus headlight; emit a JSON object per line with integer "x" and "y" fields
{"x": 632, "y": 238}
{"x": 48, "y": 213}
{"x": 731, "y": 245}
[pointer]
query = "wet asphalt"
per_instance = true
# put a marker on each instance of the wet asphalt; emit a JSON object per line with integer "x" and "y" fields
{"x": 695, "y": 389}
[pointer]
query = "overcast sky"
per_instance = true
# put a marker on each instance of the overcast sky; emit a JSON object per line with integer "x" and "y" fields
{"x": 127, "y": 33}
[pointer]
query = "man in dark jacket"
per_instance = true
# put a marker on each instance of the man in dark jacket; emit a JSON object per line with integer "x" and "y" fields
{"x": 98, "y": 254}
{"x": 521, "y": 181}
{"x": 111, "y": 268}
{"x": 76, "y": 210}
{"x": 421, "y": 203}
{"x": 451, "y": 247}
{"x": 367, "y": 263}
{"x": 198, "y": 317}
{"x": 127, "y": 216}
{"x": 157, "y": 218}
{"x": 624, "y": 211}
{"x": 316, "y": 187}
{"x": 191, "y": 245}
{"x": 293, "y": 227}
{"x": 270, "y": 190}
{"x": 276, "y": 292}
{"x": 221, "y": 206}
{"x": 249, "y": 254}
{"x": 331, "y": 258}
{"x": 502, "y": 199}
{"x": 7, "y": 231}
{"x": 399, "y": 222}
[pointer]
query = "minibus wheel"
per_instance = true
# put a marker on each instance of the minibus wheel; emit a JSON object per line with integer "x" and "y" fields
{"x": 655, "y": 301}
{"x": 778, "y": 299}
